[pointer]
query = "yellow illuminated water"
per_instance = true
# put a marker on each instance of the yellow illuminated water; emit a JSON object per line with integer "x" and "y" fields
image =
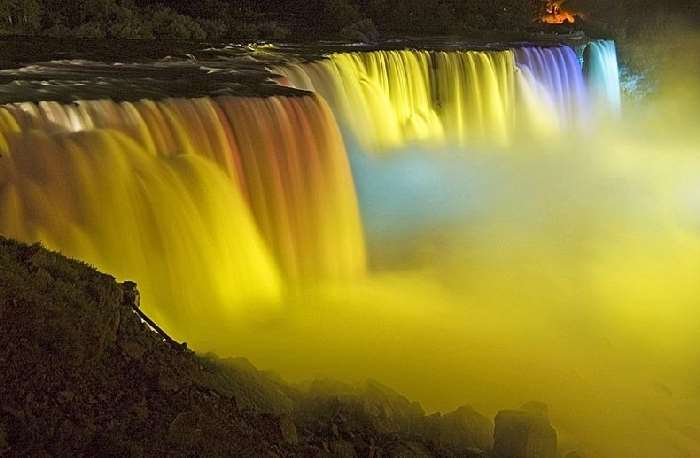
{"x": 568, "y": 273}
{"x": 99, "y": 196}
{"x": 389, "y": 99}
{"x": 227, "y": 202}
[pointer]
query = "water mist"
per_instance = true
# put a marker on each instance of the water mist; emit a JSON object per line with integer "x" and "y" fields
{"x": 479, "y": 227}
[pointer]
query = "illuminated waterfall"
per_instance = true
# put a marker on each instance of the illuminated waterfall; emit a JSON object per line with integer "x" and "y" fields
{"x": 387, "y": 99}
{"x": 231, "y": 200}
{"x": 205, "y": 202}
{"x": 384, "y": 97}
{"x": 603, "y": 75}
{"x": 556, "y": 76}
{"x": 99, "y": 196}
{"x": 391, "y": 98}
{"x": 474, "y": 94}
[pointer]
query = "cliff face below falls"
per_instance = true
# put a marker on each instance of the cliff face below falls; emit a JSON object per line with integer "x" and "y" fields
{"x": 84, "y": 373}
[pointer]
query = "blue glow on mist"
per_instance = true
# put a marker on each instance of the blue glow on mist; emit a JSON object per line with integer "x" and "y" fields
{"x": 415, "y": 189}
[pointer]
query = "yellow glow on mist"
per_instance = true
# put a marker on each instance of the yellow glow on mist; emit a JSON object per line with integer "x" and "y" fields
{"x": 576, "y": 284}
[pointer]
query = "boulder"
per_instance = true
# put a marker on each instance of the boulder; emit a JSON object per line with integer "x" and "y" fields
{"x": 253, "y": 389}
{"x": 465, "y": 428}
{"x": 524, "y": 434}
{"x": 337, "y": 408}
{"x": 536, "y": 407}
{"x": 390, "y": 411}
{"x": 460, "y": 431}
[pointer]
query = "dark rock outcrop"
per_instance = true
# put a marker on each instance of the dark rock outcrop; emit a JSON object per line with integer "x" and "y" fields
{"x": 86, "y": 373}
{"x": 83, "y": 374}
{"x": 460, "y": 430}
{"x": 255, "y": 390}
{"x": 367, "y": 417}
{"x": 525, "y": 433}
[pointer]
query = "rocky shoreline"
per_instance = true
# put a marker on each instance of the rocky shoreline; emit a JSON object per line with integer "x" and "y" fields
{"x": 85, "y": 373}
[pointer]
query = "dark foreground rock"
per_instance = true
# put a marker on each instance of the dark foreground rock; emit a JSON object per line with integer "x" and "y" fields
{"x": 525, "y": 433}
{"x": 83, "y": 372}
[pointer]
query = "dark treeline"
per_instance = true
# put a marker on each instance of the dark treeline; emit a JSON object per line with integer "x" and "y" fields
{"x": 624, "y": 19}
{"x": 272, "y": 19}
{"x": 306, "y": 19}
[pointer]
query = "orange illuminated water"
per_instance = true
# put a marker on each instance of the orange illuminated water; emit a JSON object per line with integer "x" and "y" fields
{"x": 224, "y": 202}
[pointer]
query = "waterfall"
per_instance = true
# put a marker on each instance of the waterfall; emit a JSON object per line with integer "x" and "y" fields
{"x": 388, "y": 99}
{"x": 383, "y": 97}
{"x": 231, "y": 201}
{"x": 603, "y": 75}
{"x": 204, "y": 202}
{"x": 556, "y": 76}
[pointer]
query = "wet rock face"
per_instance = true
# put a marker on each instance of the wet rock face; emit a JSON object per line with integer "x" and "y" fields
{"x": 525, "y": 433}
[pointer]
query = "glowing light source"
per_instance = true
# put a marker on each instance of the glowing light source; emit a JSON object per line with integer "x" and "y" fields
{"x": 557, "y": 15}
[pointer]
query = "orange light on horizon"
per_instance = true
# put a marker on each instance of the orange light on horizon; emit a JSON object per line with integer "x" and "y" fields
{"x": 556, "y": 15}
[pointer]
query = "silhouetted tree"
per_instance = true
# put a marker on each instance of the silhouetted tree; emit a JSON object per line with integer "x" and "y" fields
{"x": 218, "y": 19}
{"x": 130, "y": 23}
{"x": 168, "y": 23}
{"x": 20, "y": 15}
